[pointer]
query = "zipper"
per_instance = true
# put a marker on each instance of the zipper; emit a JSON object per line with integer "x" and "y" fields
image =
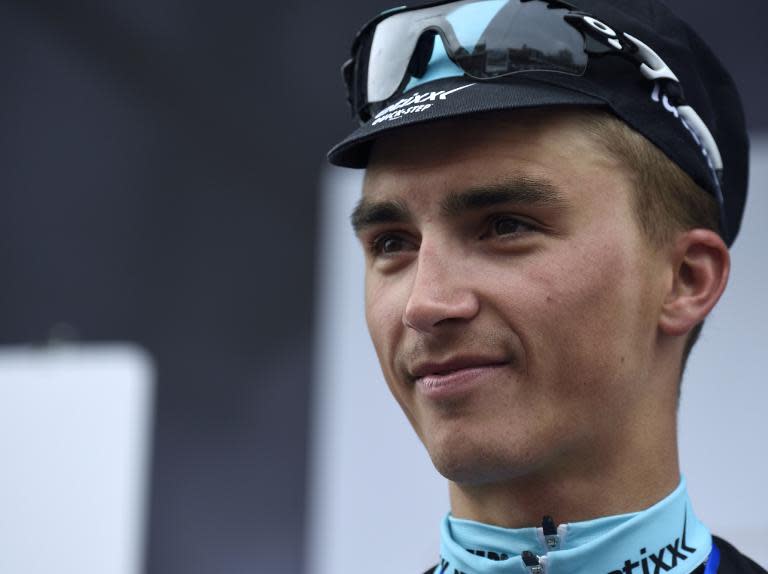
{"x": 549, "y": 530}
{"x": 532, "y": 562}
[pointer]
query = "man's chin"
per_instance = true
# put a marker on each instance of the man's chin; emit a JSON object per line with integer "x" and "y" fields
{"x": 471, "y": 464}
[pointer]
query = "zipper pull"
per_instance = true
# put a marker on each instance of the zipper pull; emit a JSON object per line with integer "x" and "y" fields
{"x": 532, "y": 562}
{"x": 550, "y": 533}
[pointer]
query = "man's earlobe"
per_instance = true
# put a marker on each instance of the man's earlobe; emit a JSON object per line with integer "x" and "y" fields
{"x": 701, "y": 266}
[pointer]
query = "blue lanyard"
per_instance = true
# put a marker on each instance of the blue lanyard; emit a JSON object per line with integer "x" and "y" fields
{"x": 713, "y": 561}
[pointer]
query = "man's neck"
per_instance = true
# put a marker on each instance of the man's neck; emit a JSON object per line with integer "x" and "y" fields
{"x": 586, "y": 493}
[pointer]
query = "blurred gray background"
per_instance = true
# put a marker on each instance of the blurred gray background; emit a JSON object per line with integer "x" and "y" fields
{"x": 160, "y": 179}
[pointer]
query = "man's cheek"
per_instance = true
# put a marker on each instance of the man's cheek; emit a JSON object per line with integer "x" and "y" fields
{"x": 384, "y": 327}
{"x": 385, "y": 304}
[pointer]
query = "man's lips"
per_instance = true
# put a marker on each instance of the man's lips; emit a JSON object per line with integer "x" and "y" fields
{"x": 454, "y": 379}
{"x": 453, "y": 367}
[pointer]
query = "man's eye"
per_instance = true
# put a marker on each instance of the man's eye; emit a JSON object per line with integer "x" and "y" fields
{"x": 389, "y": 244}
{"x": 507, "y": 225}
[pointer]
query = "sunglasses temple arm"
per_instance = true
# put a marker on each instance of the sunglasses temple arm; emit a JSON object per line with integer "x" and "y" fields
{"x": 654, "y": 68}
{"x": 695, "y": 122}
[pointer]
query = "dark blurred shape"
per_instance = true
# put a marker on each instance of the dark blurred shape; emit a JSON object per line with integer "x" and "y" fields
{"x": 159, "y": 180}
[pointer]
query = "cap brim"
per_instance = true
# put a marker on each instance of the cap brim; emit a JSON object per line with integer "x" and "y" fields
{"x": 451, "y": 98}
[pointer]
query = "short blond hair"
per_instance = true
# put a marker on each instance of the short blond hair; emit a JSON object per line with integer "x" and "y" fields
{"x": 667, "y": 200}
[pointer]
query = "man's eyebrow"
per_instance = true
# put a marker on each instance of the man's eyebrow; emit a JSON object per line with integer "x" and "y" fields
{"x": 369, "y": 213}
{"x": 521, "y": 191}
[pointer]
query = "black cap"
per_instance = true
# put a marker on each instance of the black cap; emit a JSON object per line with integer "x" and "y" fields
{"x": 610, "y": 82}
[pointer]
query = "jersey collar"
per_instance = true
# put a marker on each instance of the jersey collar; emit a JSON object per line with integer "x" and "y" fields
{"x": 666, "y": 538}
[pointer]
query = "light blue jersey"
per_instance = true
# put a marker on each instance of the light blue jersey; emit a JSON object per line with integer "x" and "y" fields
{"x": 666, "y": 538}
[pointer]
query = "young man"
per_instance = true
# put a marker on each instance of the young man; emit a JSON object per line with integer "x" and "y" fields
{"x": 551, "y": 190}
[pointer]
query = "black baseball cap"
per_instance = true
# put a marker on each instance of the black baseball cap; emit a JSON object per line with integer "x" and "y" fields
{"x": 610, "y": 83}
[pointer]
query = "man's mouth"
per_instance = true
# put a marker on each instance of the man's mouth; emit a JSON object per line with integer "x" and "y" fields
{"x": 456, "y": 375}
{"x": 453, "y": 365}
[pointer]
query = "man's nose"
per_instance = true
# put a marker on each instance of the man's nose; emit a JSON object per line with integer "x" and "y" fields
{"x": 441, "y": 292}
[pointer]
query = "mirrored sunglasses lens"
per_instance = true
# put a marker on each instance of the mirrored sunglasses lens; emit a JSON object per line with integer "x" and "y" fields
{"x": 520, "y": 37}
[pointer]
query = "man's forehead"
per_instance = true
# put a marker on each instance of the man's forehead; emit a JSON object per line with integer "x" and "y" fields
{"x": 413, "y": 146}
{"x": 536, "y": 157}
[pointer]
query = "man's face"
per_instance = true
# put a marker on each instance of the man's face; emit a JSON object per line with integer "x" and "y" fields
{"x": 510, "y": 296}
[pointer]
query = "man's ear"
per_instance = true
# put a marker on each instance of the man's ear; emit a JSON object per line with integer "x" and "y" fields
{"x": 701, "y": 264}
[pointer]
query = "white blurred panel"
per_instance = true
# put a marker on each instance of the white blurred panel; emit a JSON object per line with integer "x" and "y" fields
{"x": 372, "y": 484}
{"x": 74, "y": 424}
